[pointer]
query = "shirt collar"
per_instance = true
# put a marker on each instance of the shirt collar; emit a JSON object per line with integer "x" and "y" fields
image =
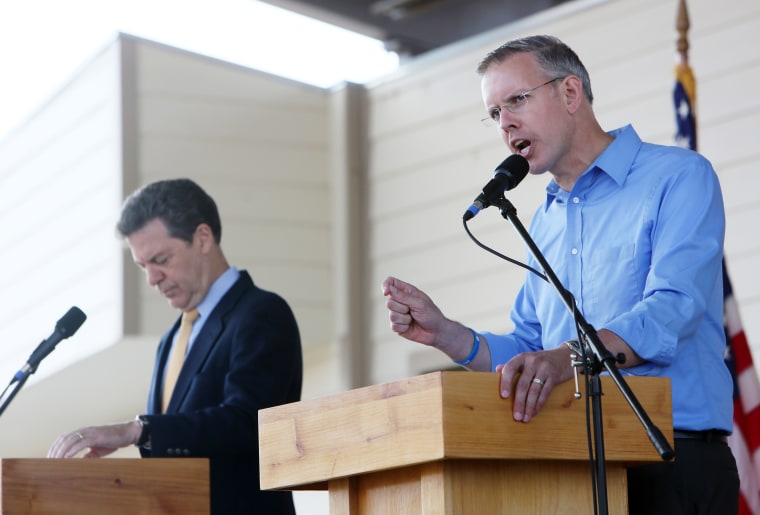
{"x": 217, "y": 290}
{"x": 616, "y": 160}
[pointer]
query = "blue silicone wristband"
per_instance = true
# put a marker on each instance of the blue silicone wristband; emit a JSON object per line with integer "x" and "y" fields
{"x": 475, "y": 349}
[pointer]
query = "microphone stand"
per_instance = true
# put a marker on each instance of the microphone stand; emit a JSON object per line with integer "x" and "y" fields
{"x": 19, "y": 380}
{"x": 601, "y": 358}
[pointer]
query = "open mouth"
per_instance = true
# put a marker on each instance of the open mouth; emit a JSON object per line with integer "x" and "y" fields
{"x": 521, "y": 146}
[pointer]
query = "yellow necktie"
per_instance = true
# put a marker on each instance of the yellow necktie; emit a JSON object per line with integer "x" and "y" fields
{"x": 177, "y": 356}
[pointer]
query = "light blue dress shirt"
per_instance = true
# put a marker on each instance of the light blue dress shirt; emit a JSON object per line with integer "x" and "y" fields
{"x": 639, "y": 243}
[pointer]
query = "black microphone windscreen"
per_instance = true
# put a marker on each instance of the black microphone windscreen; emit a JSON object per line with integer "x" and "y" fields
{"x": 515, "y": 168}
{"x": 70, "y": 322}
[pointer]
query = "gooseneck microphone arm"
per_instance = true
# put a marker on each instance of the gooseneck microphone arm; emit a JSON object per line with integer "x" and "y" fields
{"x": 602, "y": 358}
{"x": 65, "y": 327}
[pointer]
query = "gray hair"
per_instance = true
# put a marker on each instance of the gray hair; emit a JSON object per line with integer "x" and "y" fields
{"x": 552, "y": 55}
{"x": 180, "y": 204}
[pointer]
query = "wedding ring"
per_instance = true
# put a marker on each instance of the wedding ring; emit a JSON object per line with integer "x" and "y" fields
{"x": 538, "y": 381}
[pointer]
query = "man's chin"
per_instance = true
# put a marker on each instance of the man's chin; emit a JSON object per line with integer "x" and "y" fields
{"x": 176, "y": 303}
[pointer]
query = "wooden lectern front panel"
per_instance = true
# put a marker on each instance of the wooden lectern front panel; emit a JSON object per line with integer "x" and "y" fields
{"x": 482, "y": 487}
{"x": 112, "y": 485}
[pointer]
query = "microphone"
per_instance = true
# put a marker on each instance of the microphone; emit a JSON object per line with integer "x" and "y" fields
{"x": 506, "y": 177}
{"x": 65, "y": 327}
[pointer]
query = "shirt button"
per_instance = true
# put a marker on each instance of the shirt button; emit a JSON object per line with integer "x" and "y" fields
{"x": 576, "y": 200}
{"x": 574, "y": 251}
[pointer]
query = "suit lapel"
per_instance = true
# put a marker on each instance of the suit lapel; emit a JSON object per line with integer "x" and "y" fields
{"x": 162, "y": 354}
{"x": 207, "y": 339}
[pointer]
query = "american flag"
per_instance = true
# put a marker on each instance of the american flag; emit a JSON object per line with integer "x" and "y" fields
{"x": 745, "y": 440}
{"x": 684, "y": 94}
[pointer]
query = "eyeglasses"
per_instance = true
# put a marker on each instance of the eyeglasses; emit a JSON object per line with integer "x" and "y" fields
{"x": 513, "y": 104}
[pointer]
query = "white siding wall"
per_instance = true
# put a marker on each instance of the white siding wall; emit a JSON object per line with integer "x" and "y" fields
{"x": 259, "y": 145}
{"x": 59, "y": 194}
{"x": 430, "y": 156}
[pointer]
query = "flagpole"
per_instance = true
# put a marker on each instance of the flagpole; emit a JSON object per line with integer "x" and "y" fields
{"x": 682, "y": 26}
{"x": 685, "y": 93}
{"x": 685, "y": 78}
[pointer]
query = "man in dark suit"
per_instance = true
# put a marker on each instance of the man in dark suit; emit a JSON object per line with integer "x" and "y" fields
{"x": 243, "y": 352}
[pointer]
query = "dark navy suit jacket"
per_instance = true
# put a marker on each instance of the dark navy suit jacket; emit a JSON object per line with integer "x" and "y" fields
{"x": 246, "y": 357}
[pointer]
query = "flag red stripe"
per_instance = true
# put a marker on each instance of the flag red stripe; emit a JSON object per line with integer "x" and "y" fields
{"x": 744, "y": 508}
{"x": 742, "y": 354}
{"x": 750, "y": 424}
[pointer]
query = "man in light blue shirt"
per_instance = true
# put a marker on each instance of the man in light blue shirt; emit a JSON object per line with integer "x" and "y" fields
{"x": 639, "y": 243}
{"x": 635, "y": 232}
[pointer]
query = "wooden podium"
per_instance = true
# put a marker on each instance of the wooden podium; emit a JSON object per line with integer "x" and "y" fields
{"x": 116, "y": 486}
{"x": 445, "y": 443}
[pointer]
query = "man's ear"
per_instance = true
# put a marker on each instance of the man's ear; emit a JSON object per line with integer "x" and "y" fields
{"x": 572, "y": 91}
{"x": 203, "y": 236}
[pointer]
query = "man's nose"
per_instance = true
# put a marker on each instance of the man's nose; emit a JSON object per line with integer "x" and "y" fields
{"x": 153, "y": 275}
